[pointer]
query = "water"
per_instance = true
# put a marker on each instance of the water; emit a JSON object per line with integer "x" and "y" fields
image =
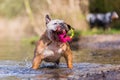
{"x": 16, "y": 57}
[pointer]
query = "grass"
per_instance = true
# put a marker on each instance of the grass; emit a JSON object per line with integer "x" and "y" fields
{"x": 99, "y": 32}
{"x": 11, "y": 8}
{"x": 30, "y": 40}
{"x": 78, "y": 33}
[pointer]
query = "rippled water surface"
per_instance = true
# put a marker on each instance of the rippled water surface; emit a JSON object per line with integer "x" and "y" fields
{"x": 16, "y": 57}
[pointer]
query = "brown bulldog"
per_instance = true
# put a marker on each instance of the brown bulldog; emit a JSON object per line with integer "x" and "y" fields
{"x": 49, "y": 48}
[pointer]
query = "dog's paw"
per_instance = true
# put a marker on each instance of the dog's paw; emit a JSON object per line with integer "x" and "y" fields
{"x": 70, "y": 66}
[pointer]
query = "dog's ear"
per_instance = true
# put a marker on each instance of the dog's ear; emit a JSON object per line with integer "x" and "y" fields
{"x": 47, "y": 19}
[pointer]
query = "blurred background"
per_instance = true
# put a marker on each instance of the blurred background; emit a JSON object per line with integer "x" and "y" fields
{"x": 26, "y": 17}
{"x": 23, "y": 21}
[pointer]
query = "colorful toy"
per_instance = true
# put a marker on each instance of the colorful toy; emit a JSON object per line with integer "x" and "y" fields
{"x": 64, "y": 37}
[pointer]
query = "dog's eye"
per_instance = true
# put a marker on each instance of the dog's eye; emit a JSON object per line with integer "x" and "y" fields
{"x": 55, "y": 23}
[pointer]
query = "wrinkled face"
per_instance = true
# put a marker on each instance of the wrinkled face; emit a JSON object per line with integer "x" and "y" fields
{"x": 55, "y": 27}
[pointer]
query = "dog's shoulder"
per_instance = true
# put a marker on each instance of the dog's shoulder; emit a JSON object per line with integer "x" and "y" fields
{"x": 44, "y": 37}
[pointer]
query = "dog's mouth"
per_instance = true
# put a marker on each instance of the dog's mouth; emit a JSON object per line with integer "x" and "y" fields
{"x": 59, "y": 31}
{"x": 61, "y": 35}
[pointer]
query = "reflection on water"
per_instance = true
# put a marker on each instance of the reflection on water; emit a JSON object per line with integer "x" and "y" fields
{"x": 98, "y": 56}
{"x": 15, "y": 50}
{"x": 16, "y": 56}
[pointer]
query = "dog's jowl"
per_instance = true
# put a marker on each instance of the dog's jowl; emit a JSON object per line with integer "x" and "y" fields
{"x": 53, "y": 44}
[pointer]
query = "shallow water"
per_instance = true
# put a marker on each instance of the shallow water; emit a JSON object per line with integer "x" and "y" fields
{"x": 16, "y": 56}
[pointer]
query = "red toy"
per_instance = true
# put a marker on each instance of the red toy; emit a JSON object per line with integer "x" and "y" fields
{"x": 63, "y": 37}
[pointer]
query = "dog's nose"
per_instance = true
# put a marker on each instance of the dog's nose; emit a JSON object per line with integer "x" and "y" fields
{"x": 61, "y": 24}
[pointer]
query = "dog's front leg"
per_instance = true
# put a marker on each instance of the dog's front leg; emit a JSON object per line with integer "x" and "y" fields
{"x": 37, "y": 61}
{"x": 68, "y": 58}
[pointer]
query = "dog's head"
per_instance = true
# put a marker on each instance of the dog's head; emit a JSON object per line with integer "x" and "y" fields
{"x": 55, "y": 27}
{"x": 114, "y": 15}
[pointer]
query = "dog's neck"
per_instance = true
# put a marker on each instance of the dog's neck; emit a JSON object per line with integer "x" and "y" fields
{"x": 47, "y": 40}
{"x": 52, "y": 36}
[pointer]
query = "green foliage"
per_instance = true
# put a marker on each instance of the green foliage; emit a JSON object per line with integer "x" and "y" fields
{"x": 97, "y": 6}
{"x": 116, "y": 26}
{"x": 100, "y": 31}
{"x": 77, "y": 33}
{"x": 11, "y": 8}
{"x": 103, "y": 6}
{"x": 30, "y": 40}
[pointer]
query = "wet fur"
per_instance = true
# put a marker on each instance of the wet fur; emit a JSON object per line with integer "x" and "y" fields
{"x": 51, "y": 51}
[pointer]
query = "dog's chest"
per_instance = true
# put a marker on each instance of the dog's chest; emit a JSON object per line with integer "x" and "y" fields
{"x": 52, "y": 52}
